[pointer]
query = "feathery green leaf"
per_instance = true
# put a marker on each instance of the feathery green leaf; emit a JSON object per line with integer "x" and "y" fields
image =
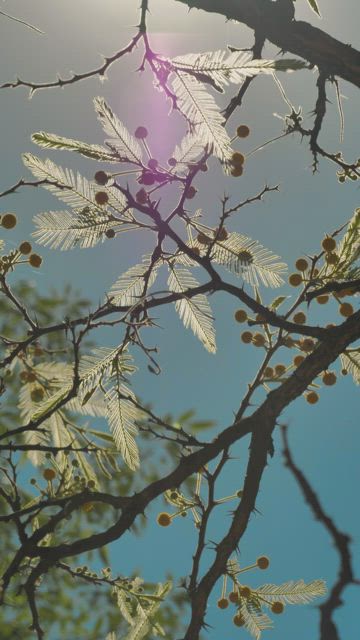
{"x": 144, "y": 617}
{"x": 53, "y": 141}
{"x": 249, "y": 259}
{"x": 64, "y": 230}
{"x": 129, "y": 287}
{"x": 100, "y": 364}
{"x": 73, "y": 189}
{"x": 203, "y": 114}
{"x": 126, "y": 146}
{"x": 188, "y": 150}
{"x": 293, "y": 592}
{"x": 221, "y": 68}
{"x": 350, "y": 360}
{"x": 194, "y": 312}
{"x": 255, "y": 620}
{"x": 122, "y": 414}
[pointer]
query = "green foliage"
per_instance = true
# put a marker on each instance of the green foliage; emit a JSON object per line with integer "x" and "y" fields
{"x": 95, "y": 613}
{"x": 93, "y": 151}
{"x": 195, "y": 312}
{"x": 69, "y": 389}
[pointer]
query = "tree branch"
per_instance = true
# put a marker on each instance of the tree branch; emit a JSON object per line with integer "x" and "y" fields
{"x": 297, "y": 37}
{"x": 328, "y": 630}
{"x": 261, "y": 423}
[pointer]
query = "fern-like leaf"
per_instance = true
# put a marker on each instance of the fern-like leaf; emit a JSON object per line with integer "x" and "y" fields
{"x": 125, "y": 607}
{"x": 53, "y": 141}
{"x": 293, "y": 592}
{"x": 33, "y": 437}
{"x": 76, "y": 191}
{"x": 203, "y": 114}
{"x": 95, "y": 367}
{"x": 64, "y": 230}
{"x": 194, "y": 312}
{"x": 144, "y": 619}
{"x": 122, "y": 414}
{"x": 249, "y": 259}
{"x": 221, "y": 68}
{"x": 255, "y": 621}
{"x": 188, "y": 150}
{"x": 129, "y": 287}
{"x": 94, "y": 406}
{"x": 121, "y": 140}
{"x": 51, "y": 402}
{"x": 73, "y": 189}
{"x": 60, "y": 435}
{"x": 348, "y": 250}
{"x": 350, "y": 360}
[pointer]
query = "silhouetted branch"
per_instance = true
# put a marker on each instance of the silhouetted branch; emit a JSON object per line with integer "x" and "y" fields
{"x": 333, "y": 287}
{"x": 297, "y": 37}
{"x": 29, "y": 183}
{"x": 320, "y": 110}
{"x": 261, "y": 424}
{"x": 236, "y": 101}
{"x": 75, "y": 77}
{"x": 328, "y": 629}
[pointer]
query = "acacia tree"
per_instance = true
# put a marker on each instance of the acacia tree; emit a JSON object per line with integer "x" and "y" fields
{"x": 91, "y": 483}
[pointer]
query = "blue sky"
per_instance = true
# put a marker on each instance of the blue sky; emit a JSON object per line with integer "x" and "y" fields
{"x": 324, "y": 438}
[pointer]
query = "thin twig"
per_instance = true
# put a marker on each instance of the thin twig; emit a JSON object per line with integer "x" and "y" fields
{"x": 27, "y": 24}
{"x": 76, "y": 77}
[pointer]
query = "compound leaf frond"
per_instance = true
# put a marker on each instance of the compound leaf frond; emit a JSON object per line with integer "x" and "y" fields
{"x": 255, "y": 620}
{"x": 122, "y": 414}
{"x": 129, "y": 287}
{"x": 203, "y": 114}
{"x": 64, "y": 230}
{"x": 53, "y": 141}
{"x": 121, "y": 140}
{"x": 293, "y": 592}
{"x": 221, "y": 68}
{"x": 350, "y": 361}
{"x": 194, "y": 312}
{"x": 249, "y": 259}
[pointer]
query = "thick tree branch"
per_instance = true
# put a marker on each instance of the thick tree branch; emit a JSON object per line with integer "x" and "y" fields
{"x": 297, "y": 37}
{"x": 266, "y": 418}
{"x": 333, "y": 287}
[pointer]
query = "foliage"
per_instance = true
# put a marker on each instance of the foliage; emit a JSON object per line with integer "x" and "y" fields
{"x": 95, "y": 455}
